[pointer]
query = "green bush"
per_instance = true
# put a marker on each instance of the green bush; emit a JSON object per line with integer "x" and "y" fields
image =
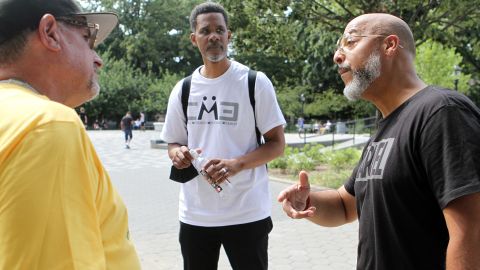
{"x": 279, "y": 163}
{"x": 282, "y": 161}
{"x": 344, "y": 158}
{"x": 315, "y": 153}
{"x": 335, "y": 166}
{"x": 300, "y": 162}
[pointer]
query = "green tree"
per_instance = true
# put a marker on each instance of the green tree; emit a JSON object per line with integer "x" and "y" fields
{"x": 124, "y": 87}
{"x": 155, "y": 98}
{"x": 121, "y": 86}
{"x": 293, "y": 41}
{"x": 153, "y": 35}
{"x": 144, "y": 57}
{"x": 331, "y": 105}
{"x": 436, "y": 64}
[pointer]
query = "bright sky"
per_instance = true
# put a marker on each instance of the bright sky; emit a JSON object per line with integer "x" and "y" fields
{"x": 83, "y": 3}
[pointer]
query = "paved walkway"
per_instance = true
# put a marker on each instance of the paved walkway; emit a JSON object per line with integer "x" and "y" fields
{"x": 140, "y": 174}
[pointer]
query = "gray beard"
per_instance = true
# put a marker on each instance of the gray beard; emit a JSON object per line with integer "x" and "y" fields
{"x": 95, "y": 90}
{"x": 363, "y": 78}
{"x": 216, "y": 58}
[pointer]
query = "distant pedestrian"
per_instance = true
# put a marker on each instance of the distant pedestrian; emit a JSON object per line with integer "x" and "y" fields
{"x": 328, "y": 126}
{"x": 300, "y": 123}
{"x": 137, "y": 124}
{"x": 83, "y": 116}
{"x": 142, "y": 121}
{"x": 126, "y": 125}
{"x": 96, "y": 124}
{"x": 316, "y": 127}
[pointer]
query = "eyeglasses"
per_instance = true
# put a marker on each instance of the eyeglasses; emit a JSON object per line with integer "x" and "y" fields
{"x": 92, "y": 28}
{"x": 347, "y": 42}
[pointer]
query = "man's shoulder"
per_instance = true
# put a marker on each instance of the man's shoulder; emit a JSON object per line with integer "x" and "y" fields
{"x": 438, "y": 97}
{"x": 37, "y": 106}
{"x": 245, "y": 69}
{"x": 239, "y": 66}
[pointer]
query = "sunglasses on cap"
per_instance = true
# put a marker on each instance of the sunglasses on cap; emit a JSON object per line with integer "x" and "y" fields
{"x": 92, "y": 28}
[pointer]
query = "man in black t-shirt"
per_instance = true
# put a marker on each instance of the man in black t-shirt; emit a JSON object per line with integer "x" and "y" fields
{"x": 416, "y": 189}
{"x": 127, "y": 125}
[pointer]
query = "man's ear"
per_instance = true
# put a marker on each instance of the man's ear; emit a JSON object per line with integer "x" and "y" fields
{"x": 49, "y": 32}
{"x": 193, "y": 39}
{"x": 392, "y": 44}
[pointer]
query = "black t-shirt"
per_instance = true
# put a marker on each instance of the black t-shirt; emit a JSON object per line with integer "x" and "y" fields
{"x": 127, "y": 122}
{"x": 425, "y": 154}
{"x": 83, "y": 116}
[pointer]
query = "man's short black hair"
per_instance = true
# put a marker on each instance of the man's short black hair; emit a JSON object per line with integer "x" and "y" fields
{"x": 207, "y": 7}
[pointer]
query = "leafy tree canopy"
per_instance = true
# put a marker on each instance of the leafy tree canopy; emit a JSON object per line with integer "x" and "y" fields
{"x": 437, "y": 64}
{"x": 291, "y": 41}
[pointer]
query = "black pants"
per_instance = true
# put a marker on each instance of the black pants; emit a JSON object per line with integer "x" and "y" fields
{"x": 128, "y": 134}
{"x": 245, "y": 245}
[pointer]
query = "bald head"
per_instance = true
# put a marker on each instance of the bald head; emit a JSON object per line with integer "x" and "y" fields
{"x": 384, "y": 24}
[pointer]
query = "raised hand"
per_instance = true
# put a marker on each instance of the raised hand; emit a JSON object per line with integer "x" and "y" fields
{"x": 295, "y": 199}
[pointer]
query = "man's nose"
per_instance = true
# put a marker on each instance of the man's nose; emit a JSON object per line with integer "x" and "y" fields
{"x": 338, "y": 56}
{"x": 97, "y": 60}
{"x": 214, "y": 36}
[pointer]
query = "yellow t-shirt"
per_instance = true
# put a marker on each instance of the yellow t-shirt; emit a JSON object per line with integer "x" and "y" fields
{"x": 58, "y": 208}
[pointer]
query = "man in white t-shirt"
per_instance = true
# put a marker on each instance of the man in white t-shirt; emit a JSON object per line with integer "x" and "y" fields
{"x": 221, "y": 124}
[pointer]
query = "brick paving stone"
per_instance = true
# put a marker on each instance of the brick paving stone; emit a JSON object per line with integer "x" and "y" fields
{"x": 140, "y": 175}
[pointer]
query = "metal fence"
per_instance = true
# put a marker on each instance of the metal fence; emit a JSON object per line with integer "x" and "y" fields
{"x": 354, "y": 128}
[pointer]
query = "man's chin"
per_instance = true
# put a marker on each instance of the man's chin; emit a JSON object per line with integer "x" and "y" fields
{"x": 216, "y": 58}
{"x": 95, "y": 90}
{"x": 352, "y": 94}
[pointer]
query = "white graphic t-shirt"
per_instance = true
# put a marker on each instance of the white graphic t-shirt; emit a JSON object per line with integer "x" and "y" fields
{"x": 221, "y": 122}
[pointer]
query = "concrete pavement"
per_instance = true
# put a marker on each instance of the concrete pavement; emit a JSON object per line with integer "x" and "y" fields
{"x": 140, "y": 174}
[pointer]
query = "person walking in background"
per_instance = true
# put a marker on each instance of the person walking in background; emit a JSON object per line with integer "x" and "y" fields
{"x": 126, "y": 124}
{"x": 221, "y": 121}
{"x": 83, "y": 116}
{"x": 300, "y": 124}
{"x": 142, "y": 121}
{"x": 328, "y": 126}
{"x": 96, "y": 124}
{"x": 58, "y": 208}
{"x": 416, "y": 189}
{"x": 137, "y": 124}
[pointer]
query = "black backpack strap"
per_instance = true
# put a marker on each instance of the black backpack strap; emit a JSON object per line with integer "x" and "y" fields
{"x": 185, "y": 94}
{"x": 252, "y": 77}
{"x": 187, "y": 174}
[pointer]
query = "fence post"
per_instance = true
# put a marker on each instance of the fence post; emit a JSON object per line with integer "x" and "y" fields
{"x": 334, "y": 126}
{"x": 354, "y": 132}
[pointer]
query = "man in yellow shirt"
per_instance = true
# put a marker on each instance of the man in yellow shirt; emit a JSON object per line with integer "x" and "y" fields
{"x": 58, "y": 208}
